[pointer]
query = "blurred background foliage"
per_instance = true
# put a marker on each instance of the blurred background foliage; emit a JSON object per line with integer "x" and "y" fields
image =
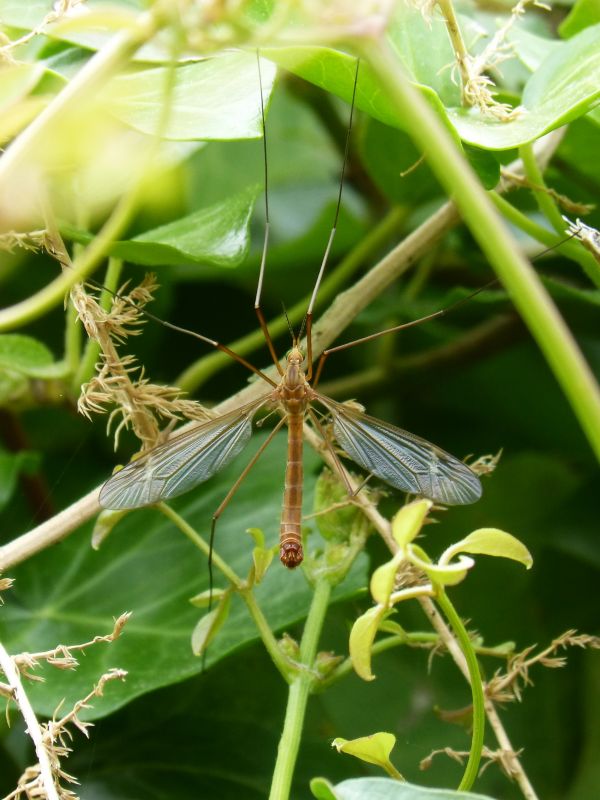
{"x": 473, "y": 382}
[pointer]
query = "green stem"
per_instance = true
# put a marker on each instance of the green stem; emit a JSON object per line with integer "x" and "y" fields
{"x": 92, "y": 348}
{"x": 266, "y": 634}
{"x": 83, "y": 86}
{"x": 299, "y": 691}
{"x": 196, "y": 539}
{"x": 571, "y": 249}
{"x": 459, "y": 630}
{"x": 520, "y": 279}
{"x": 199, "y": 372}
{"x": 546, "y": 203}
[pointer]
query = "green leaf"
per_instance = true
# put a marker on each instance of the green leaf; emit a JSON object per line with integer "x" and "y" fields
{"x": 217, "y": 235}
{"x": 28, "y": 356}
{"x": 209, "y": 625}
{"x": 203, "y": 599}
{"x": 261, "y": 559}
{"x": 104, "y": 526}
{"x": 334, "y": 71}
{"x": 384, "y": 578}
{"x": 446, "y": 574}
{"x": 583, "y": 14}
{"x": 388, "y": 789}
{"x": 16, "y": 81}
{"x": 322, "y": 789}
{"x": 490, "y": 542}
{"x": 409, "y": 520}
{"x": 11, "y": 466}
{"x": 374, "y": 749}
{"x": 148, "y": 567}
{"x": 565, "y": 86}
{"x": 218, "y": 98}
{"x": 362, "y": 637}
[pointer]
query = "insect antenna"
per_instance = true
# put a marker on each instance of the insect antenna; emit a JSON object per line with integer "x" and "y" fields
{"x": 289, "y": 324}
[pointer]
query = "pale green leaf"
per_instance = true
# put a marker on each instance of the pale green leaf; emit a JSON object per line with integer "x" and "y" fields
{"x": 446, "y": 574}
{"x": 218, "y": 98}
{"x": 490, "y": 542}
{"x": 209, "y": 596}
{"x": 384, "y": 578}
{"x": 208, "y": 626}
{"x": 388, "y": 789}
{"x": 374, "y": 749}
{"x": 565, "y": 86}
{"x": 362, "y": 637}
{"x": 28, "y": 356}
{"x": 262, "y": 558}
{"x": 409, "y": 520}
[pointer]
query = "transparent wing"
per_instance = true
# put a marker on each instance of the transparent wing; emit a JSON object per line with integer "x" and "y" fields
{"x": 181, "y": 463}
{"x": 402, "y": 459}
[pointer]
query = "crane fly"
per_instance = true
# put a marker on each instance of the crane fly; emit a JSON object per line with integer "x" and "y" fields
{"x": 397, "y": 457}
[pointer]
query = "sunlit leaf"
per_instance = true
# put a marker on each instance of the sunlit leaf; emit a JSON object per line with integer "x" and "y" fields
{"x": 490, "y": 542}
{"x": 409, "y": 520}
{"x": 374, "y": 749}
{"x": 218, "y": 98}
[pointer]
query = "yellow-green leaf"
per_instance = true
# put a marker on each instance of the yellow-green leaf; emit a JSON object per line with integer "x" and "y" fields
{"x": 409, "y": 520}
{"x": 203, "y": 599}
{"x": 491, "y": 542}
{"x": 105, "y": 523}
{"x": 444, "y": 573}
{"x": 362, "y": 637}
{"x": 262, "y": 557}
{"x": 374, "y": 749}
{"x": 209, "y": 624}
{"x": 384, "y": 579}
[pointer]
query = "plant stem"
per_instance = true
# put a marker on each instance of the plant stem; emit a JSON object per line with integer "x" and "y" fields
{"x": 33, "y": 726}
{"x": 456, "y": 623}
{"x": 83, "y": 86}
{"x": 199, "y": 372}
{"x": 571, "y": 249}
{"x": 300, "y": 688}
{"x": 266, "y": 634}
{"x": 546, "y": 203}
{"x": 534, "y": 304}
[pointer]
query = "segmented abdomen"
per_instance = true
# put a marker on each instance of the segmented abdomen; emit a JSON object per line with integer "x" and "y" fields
{"x": 290, "y": 540}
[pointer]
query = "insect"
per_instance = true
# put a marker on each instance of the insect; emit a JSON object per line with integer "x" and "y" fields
{"x": 397, "y": 457}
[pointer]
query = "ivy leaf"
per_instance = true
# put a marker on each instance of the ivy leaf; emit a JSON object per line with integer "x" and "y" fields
{"x": 218, "y": 235}
{"x": 28, "y": 356}
{"x": 388, "y": 789}
{"x": 217, "y": 98}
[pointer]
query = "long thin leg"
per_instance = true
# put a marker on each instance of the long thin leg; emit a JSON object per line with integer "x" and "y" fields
{"x": 436, "y": 314}
{"x": 310, "y": 311}
{"x": 232, "y": 491}
{"x": 261, "y": 318}
{"x": 332, "y": 453}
